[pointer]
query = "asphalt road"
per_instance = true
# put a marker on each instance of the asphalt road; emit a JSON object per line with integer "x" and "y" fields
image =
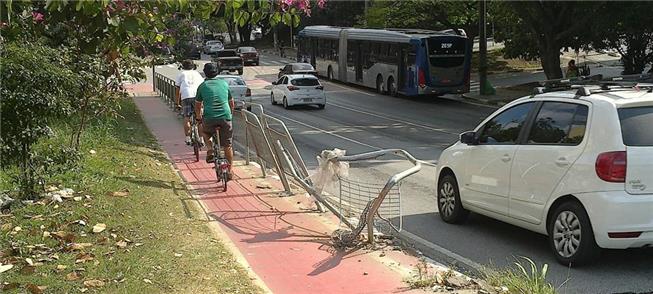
{"x": 358, "y": 120}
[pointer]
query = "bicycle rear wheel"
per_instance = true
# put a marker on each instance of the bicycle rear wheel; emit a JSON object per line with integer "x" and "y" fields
{"x": 196, "y": 150}
{"x": 225, "y": 179}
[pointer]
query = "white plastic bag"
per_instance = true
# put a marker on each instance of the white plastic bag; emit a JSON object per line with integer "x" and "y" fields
{"x": 328, "y": 171}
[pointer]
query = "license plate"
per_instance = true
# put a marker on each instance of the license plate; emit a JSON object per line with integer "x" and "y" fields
{"x": 307, "y": 99}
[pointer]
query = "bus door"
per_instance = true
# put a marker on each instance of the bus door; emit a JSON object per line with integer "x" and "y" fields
{"x": 401, "y": 69}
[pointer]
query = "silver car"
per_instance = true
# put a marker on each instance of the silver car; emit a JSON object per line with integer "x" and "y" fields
{"x": 239, "y": 89}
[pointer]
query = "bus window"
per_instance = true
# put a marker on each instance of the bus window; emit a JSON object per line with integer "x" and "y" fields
{"x": 447, "y": 52}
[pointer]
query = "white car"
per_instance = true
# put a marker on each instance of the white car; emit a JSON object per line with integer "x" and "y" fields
{"x": 211, "y": 47}
{"x": 291, "y": 90}
{"x": 576, "y": 165}
{"x": 239, "y": 89}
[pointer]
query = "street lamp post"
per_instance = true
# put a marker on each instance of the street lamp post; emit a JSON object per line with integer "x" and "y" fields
{"x": 482, "y": 49}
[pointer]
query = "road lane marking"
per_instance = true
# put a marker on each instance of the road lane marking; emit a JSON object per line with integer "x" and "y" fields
{"x": 348, "y": 88}
{"x": 332, "y": 133}
{"x": 393, "y": 119}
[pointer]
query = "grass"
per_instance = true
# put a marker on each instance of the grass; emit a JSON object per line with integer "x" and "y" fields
{"x": 498, "y": 64}
{"x": 526, "y": 277}
{"x": 426, "y": 277}
{"x": 156, "y": 240}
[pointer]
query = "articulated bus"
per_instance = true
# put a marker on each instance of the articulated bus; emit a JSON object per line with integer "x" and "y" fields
{"x": 392, "y": 61}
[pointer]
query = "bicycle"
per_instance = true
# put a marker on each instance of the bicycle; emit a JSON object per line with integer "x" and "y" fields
{"x": 195, "y": 138}
{"x": 221, "y": 164}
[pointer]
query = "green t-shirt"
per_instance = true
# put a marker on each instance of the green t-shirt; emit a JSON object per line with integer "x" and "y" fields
{"x": 215, "y": 95}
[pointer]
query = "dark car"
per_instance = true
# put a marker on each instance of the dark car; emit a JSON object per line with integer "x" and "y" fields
{"x": 194, "y": 52}
{"x": 249, "y": 55}
{"x": 297, "y": 68}
{"x": 228, "y": 60}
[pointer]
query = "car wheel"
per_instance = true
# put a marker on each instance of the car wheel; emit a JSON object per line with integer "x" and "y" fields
{"x": 257, "y": 63}
{"x": 240, "y": 72}
{"x": 392, "y": 89}
{"x": 379, "y": 84}
{"x": 321, "y": 106}
{"x": 272, "y": 99}
{"x": 449, "y": 204}
{"x": 285, "y": 103}
{"x": 571, "y": 237}
{"x": 330, "y": 74}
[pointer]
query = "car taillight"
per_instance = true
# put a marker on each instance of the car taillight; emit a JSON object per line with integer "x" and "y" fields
{"x": 421, "y": 78}
{"x": 320, "y": 87}
{"x": 248, "y": 92}
{"x": 293, "y": 88}
{"x": 611, "y": 166}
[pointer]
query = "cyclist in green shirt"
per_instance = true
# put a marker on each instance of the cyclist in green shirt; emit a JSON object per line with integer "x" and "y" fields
{"x": 214, "y": 97}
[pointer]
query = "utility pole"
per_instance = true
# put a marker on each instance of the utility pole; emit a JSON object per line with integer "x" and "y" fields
{"x": 366, "y": 7}
{"x": 482, "y": 49}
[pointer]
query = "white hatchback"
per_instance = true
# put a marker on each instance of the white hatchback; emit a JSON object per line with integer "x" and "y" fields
{"x": 291, "y": 90}
{"x": 576, "y": 165}
{"x": 238, "y": 87}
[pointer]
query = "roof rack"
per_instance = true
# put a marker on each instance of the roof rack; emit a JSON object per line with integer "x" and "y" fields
{"x": 584, "y": 84}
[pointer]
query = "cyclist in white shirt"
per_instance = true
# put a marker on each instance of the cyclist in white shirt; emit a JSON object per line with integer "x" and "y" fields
{"x": 187, "y": 82}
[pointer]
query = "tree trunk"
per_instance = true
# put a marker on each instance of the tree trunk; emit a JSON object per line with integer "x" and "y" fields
{"x": 550, "y": 59}
{"x": 245, "y": 33}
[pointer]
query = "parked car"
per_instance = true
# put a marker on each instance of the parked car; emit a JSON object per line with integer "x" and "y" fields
{"x": 300, "y": 89}
{"x": 213, "y": 46}
{"x": 194, "y": 52}
{"x": 239, "y": 89}
{"x": 575, "y": 165}
{"x": 164, "y": 55}
{"x": 249, "y": 55}
{"x": 297, "y": 68}
{"x": 229, "y": 60}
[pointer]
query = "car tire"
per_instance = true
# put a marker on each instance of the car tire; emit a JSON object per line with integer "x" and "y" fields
{"x": 258, "y": 63}
{"x": 240, "y": 72}
{"x": 450, "y": 207}
{"x": 272, "y": 99}
{"x": 321, "y": 106}
{"x": 392, "y": 88}
{"x": 569, "y": 224}
{"x": 379, "y": 84}
{"x": 285, "y": 103}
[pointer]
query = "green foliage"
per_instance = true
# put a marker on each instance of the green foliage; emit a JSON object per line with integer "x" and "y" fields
{"x": 37, "y": 88}
{"x": 625, "y": 31}
{"x": 425, "y": 14}
{"x": 521, "y": 280}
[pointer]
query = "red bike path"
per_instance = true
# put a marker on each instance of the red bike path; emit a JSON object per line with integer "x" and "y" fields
{"x": 284, "y": 243}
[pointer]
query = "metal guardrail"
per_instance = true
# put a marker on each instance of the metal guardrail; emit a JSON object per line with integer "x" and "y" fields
{"x": 165, "y": 87}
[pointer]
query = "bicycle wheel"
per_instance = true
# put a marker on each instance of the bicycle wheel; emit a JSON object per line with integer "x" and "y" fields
{"x": 196, "y": 150}
{"x": 225, "y": 179}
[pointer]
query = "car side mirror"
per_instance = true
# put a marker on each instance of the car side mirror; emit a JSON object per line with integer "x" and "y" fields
{"x": 468, "y": 138}
{"x": 274, "y": 83}
{"x": 281, "y": 69}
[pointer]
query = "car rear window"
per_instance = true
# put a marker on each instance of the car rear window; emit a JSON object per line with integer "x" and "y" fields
{"x": 305, "y": 82}
{"x": 636, "y": 125}
{"x": 302, "y": 67}
{"x": 247, "y": 49}
{"x": 227, "y": 53}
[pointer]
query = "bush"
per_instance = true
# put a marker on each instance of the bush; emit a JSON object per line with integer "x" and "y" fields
{"x": 37, "y": 89}
{"x": 521, "y": 280}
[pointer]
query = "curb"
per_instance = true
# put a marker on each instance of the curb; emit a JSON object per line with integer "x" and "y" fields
{"x": 442, "y": 255}
{"x": 488, "y": 102}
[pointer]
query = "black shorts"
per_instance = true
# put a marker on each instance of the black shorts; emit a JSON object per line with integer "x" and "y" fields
{"x": 226, "y": 130}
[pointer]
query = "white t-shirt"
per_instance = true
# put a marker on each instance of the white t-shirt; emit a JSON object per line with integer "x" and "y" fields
{"x": 188, "y": 81}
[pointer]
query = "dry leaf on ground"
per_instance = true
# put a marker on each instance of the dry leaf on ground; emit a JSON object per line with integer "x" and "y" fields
{"x": 27, "y": 270}
{"x": 93, "y": 283}
{"x": 84, "y": 257}
{"x": 121, "y": 244}
{"x": 61, "y": 268}
{"x": 73, "y": 276}
{"x": 79, "y": 246}
{"x": 5, "y": 267}
{"x": 34, "y": 289}
{"x": 147, "y": 281}
{"x": 98, "y": 228}
{"x": 123, "y": 193}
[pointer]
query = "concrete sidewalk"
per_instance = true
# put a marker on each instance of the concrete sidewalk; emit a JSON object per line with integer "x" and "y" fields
{"x": 285, "y": 243}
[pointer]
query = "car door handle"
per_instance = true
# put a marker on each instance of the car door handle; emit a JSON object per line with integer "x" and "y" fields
{"x": 505, "y": 158}
{"x": 562, "y": 161}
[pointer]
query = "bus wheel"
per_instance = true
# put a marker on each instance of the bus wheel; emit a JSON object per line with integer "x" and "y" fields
{"x": 392, "y": 89}
{"x": 379, "y": 84}
{"x": 330, "y": 74}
